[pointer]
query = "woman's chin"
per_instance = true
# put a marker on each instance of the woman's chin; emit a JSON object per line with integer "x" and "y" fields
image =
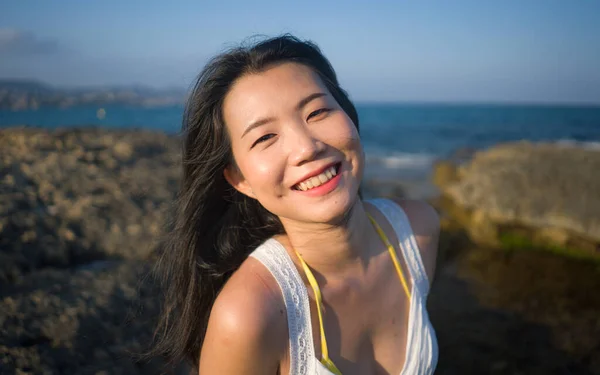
{"x": 330, "y": 211}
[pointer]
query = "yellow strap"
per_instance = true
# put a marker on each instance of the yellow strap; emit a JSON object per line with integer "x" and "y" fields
{"x": 328, "y": 363}
{"x": 392, "y": 254}
{"x": 319, "y": 300}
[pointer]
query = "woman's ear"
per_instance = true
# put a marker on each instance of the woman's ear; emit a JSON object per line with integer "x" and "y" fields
{"x": 235, "y": 178}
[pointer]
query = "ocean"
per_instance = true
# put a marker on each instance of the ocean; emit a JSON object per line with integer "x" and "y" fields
{"x": 401, "y": 140}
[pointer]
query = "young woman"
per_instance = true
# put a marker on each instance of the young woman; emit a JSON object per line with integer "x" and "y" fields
{"x": 276, "y": 265}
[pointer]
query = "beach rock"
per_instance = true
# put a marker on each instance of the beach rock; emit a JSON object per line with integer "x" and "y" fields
{"x": 524, "y": 194}
{"x": 70, "y": 197}
{"x": 81, "y": 213}
{"x": 80, "y": 321}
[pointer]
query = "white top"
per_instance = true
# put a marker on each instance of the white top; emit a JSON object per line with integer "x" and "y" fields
{"x": 421, "y": 346}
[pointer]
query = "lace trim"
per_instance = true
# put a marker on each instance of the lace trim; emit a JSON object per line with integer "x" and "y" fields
{"x": 275, "y": 258}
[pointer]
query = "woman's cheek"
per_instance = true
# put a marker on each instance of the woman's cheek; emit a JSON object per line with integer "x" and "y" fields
{"x": 264, "y": 170}
{"x": 344, "y": 138}
{"x": 342, "y": 130}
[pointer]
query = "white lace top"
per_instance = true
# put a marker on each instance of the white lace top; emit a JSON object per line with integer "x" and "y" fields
{"x": 421, "y": 346}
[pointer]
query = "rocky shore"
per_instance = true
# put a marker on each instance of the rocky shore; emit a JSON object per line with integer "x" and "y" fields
{"x": 541, "y": 195}
{"x": 522, "y": 228}
{"x": 82, "y": 212}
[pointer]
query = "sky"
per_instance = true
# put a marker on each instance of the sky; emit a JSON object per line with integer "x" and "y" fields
{"x": 436, "y": 51}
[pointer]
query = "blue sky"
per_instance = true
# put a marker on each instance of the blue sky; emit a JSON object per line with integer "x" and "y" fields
{"x": 449, "y": 51}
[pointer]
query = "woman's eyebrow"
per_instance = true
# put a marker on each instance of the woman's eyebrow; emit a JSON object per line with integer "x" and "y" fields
{"x": 309, "y": 98}
{"x": 267, "y": 120}
{"x": 256, "y": 124}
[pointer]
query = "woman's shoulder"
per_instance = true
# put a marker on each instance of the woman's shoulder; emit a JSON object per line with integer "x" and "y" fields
{"x": 251, "y": 295}
{"x": 247, "y": 319}
{"x": 422, "y": 216}
{"x": 425, "y": 224}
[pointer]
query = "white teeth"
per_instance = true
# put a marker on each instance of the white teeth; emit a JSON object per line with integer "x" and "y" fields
{"x": 317, "y": 180}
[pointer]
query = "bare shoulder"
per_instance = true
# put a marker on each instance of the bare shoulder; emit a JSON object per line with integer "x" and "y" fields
{"x": 425, "y": 223}
{"x": 423, "y": 217}
{"x": 247, "y": 328}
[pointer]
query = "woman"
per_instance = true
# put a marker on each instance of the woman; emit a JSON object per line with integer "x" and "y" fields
{"x": 276, "y": 264}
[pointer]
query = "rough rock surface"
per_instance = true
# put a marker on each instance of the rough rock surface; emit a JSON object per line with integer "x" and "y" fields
{"x": 71, "y": 197}
{"x": 81, "y": 212}
{"x": 553, "y": 190}
{"x": 78, "y": 321}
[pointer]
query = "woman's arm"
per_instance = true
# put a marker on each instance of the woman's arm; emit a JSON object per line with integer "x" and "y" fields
{"x": 247, "y": 329}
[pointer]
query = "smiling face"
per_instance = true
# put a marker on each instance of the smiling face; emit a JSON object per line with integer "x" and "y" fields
{"x": 297, "y": 151}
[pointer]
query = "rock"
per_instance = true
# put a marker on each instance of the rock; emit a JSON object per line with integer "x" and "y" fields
{"x": 80, "y": 214}
{"x": 123, "y": 150}
{"x": 444, "y": 172}
{"x": 523, "y": 194}
{"x": 80, "y": 322}
{"x": 62, "y": 191}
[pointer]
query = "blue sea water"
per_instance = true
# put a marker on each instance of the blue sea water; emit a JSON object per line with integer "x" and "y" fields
{"x": 401, "y": 140}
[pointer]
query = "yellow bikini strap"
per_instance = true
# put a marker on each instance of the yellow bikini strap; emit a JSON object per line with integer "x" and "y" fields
{"x": 319, "y": 300}
{"x": 392, "y": 254}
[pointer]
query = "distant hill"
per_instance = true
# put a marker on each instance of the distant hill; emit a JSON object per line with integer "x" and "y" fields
{"x": 23, "y": 95}
{"x": 25, "y": 85}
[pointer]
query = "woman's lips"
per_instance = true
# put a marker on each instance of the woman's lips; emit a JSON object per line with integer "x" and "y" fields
{"x": 324, "y": 188}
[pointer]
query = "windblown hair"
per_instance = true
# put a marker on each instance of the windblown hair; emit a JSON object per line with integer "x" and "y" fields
{"x": 215, "y": 227}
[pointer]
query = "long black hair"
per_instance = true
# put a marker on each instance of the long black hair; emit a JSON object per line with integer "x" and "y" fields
{"x": 215, "y": 227}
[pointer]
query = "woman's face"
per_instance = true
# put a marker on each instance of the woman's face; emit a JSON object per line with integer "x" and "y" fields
{"x": 296, "y": 150}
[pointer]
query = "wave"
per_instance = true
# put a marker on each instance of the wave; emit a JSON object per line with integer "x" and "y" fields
{"x": 588, "y": 145}
{"x": 379, "y": 160}
{"x": 400, "y": 160}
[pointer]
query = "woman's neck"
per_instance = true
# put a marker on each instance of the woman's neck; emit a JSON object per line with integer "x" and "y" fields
{"x": 333, "y": 248}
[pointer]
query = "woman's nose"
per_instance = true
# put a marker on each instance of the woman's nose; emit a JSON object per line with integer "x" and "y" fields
{"x": 303, "y": 146}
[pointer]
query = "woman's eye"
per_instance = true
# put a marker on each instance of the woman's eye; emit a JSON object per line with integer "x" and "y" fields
{"x": 262, "y": 139}
{"x": 318, "y": 112}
